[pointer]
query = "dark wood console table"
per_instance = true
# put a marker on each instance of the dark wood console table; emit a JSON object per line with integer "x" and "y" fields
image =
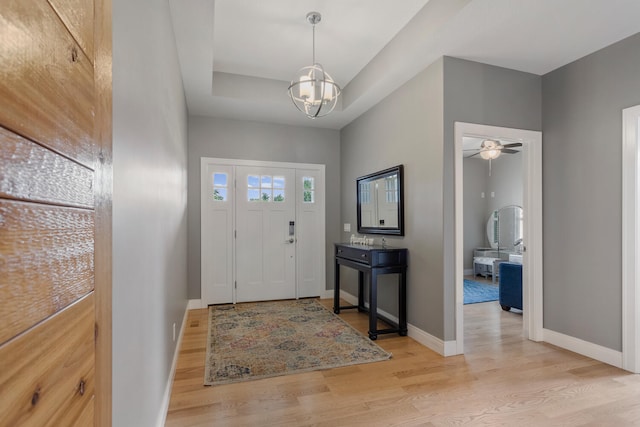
{"x": 370, "y": 261}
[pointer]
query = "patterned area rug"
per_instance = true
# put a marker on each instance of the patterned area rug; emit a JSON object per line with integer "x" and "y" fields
{"x": 266, "y": 339}
{"x": 475, "y": 292}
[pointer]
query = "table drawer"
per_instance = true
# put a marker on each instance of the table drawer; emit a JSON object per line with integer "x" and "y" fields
{"x": 354, "y": 254}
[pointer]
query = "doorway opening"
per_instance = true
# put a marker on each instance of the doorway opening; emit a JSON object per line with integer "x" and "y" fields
{"x": 531, "y": 244}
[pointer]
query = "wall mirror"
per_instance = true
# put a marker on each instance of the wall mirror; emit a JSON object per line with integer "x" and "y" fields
{"x": 380, "y": 202}
{"x": 504, "y": 228}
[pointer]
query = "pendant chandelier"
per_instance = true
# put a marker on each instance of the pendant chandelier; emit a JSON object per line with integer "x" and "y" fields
{"x": 312, "y": 90}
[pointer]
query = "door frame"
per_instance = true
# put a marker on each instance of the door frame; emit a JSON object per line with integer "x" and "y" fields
{"x": 630, "y": 239}
{"x": 321, "y": 241}
{"x": 532, "y": 301}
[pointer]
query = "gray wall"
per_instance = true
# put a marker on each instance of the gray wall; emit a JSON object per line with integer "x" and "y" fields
{"x": 506, "y": 182}
{"x": 582, "y": 191}
{"x": 405, "y": 128}
{"x": 149, "y": 208}
{"x": 482, "y": 94}
{"x": 415, "y": 126}
{"x": 476, "y": 174}
{"x": 235, "y": 139}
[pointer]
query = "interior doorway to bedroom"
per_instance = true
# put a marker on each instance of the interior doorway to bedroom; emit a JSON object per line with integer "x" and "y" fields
{"x": 497, "y": 170}
{"x": 493, "y": 219}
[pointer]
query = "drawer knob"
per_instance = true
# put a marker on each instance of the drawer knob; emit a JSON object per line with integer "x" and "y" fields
{"x": 339, "y": 251}
{"x": 363, "y": 255}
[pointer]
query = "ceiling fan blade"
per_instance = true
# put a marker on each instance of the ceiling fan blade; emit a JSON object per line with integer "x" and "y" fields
{"x": 509, "y": 151}
{"x": 473, "y": 155}
{"x": 515, "y": 144}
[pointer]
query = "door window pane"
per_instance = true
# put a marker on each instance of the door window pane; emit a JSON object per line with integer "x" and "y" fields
{"x": 220, "y": 187}
{"x": 253, "y": 181}
{"x": 308, "y": 192}
{"x": 278, "y": 182}
{"x": 265, "y": 188}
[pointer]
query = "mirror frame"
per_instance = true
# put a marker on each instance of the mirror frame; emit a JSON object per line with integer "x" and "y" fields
{"x": 396, "y": 231}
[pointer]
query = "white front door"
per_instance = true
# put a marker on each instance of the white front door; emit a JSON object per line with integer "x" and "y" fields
{"x": 265, "y": 233}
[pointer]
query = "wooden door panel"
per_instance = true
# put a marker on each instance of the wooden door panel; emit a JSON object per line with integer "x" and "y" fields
{"x": 55, "y": 168}
{"x": 46, "y": 81}
{"x": 46, "y": 259}
{"x": 41, "y": 371}
{"x": 77, "y": 16}
{"x": 31, "y": 172}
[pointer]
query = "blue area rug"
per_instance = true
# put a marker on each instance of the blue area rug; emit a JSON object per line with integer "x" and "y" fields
{"x": 475, "y": 292}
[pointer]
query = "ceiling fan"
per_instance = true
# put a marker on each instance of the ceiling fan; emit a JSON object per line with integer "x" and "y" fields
{"x": 490, "y": 149}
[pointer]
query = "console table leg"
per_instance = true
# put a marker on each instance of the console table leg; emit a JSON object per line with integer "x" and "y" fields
{"x": 336, "y": 289}
{"x": 361, "y": 307}
{"x": 402, "y": 310}
{"x": 373, "y": 305}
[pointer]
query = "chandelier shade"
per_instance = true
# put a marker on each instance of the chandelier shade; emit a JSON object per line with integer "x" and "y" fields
{"x": 312, "y": 89}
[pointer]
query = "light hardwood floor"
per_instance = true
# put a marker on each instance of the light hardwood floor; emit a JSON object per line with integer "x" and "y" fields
{"x": 501, "y": 380}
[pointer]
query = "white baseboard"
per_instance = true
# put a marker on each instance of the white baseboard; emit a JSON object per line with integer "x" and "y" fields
{"x": 194, "y": 304}
{"x": 445, "y": 348}
{"x": 594, "y": 351}
{"x": 164, "y": 408}
{"x": 327, "y": 294}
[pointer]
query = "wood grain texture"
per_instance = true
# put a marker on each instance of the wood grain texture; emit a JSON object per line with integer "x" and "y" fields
{"x": 46, "y": 80}
{"x": 41, "y": 371}
{"x": 31, "y": 172}
{"x": 77, "y": 16}
{"x": 46, "y": 259}
{"x": 103, "y": 207}
{"x": 503, "y": 379}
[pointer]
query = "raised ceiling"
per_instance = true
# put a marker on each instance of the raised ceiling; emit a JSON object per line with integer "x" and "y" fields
{"x": 238, "y": 56}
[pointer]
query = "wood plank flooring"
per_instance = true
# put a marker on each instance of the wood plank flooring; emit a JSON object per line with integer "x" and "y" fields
{"x": 501, "y": 380}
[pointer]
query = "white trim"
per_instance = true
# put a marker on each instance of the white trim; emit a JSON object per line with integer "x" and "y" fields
{"x": 164, "y": 407}
{"x": 594, "y": 351}
{"x": 630, "y": 240}
{"x": 258, "y": 163}
{"x": 532, "y": 204}
{"x": 445, "y": 348}
{"x": 194, "y": 304}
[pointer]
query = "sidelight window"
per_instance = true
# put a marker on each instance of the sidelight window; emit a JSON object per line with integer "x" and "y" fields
{"x": 309, "y": 189}
{"x": 220, "y": 187}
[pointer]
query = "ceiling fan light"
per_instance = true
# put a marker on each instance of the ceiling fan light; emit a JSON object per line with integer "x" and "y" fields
{"x": 490, "y": 149}
{"x": 490, "y": 154}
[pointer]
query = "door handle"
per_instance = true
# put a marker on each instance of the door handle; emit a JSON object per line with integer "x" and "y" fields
{"x": 289, "y": 241}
